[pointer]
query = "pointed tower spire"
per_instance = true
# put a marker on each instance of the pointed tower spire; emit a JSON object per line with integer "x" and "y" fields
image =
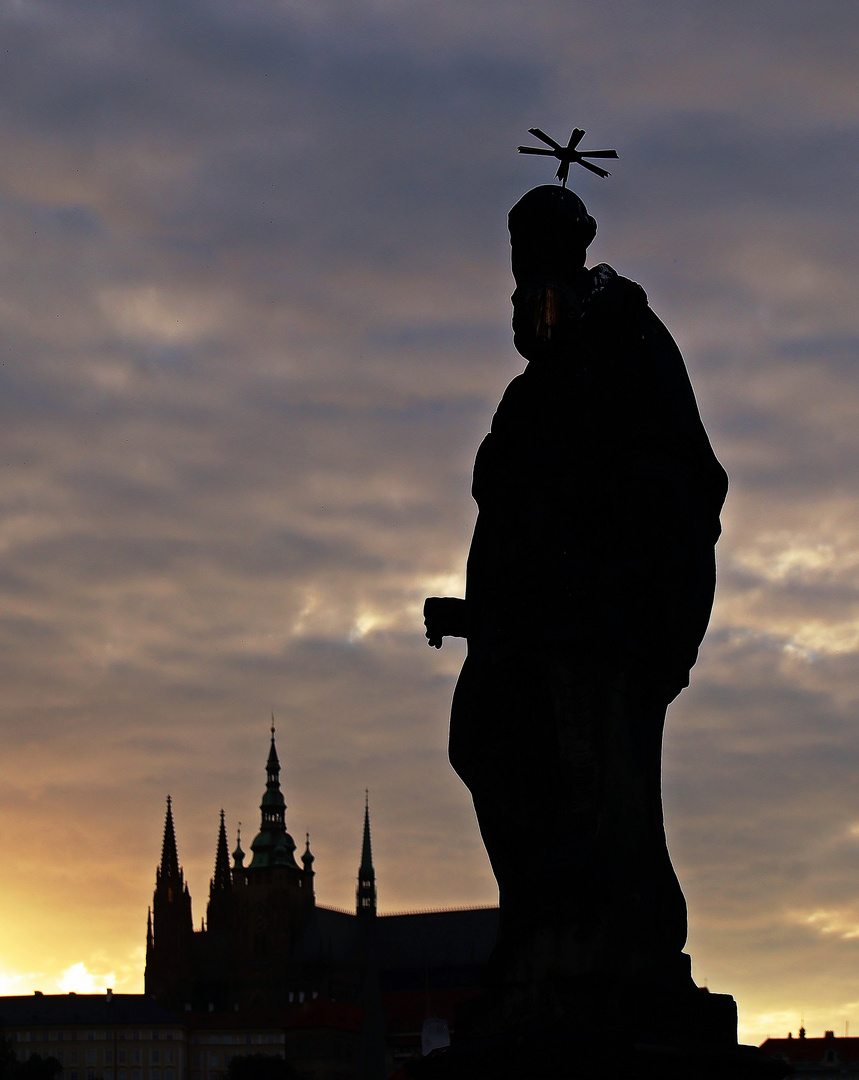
{"x": 308, "y": 858}
{"x": 169, "y": 930}
{"x": 273, "y": 807}
{"x": 238, "y": 854}
{"x": 169, "y": 870}
{"x": 273, "y": 839}
{"x": 222, "y": 880}
{"x": 366, "y": 892}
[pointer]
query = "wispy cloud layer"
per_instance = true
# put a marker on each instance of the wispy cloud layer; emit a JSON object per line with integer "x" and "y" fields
{"x": 253, "y": 325}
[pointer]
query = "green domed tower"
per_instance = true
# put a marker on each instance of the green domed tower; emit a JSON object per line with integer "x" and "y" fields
{"x": 272, "y": 845}
{"x": 273, "y": 896}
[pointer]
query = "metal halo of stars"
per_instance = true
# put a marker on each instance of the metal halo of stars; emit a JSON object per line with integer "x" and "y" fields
{"x": 569, "y": 154}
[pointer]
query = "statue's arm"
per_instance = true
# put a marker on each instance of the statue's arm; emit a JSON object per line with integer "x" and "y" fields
{"x": 445, "y": 616}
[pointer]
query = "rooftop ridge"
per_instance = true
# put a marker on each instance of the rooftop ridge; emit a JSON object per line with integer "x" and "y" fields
{"x": 415, "y": 911}
{"x": 437, "y": 910}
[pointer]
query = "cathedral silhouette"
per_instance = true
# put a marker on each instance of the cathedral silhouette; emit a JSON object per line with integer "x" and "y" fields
{"x": 266, "y": 943}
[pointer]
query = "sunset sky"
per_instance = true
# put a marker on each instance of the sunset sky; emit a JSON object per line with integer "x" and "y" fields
{"x": 254, "y": 322}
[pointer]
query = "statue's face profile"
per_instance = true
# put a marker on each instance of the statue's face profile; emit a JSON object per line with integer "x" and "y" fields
{"x": 545, "y": 319}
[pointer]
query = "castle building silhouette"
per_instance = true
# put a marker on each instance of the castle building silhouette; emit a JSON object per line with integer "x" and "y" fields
{"x": 266, "y": 943}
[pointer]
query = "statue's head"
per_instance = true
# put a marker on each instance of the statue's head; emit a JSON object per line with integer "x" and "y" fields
{"x": 550, "y": 230}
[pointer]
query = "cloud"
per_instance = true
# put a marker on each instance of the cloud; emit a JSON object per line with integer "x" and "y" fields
{"x": 254, "y": 321}
{"x": 76, "y": 979}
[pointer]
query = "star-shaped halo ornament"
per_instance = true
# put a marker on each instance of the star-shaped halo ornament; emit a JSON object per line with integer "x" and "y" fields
{"x": 568, "y": 155}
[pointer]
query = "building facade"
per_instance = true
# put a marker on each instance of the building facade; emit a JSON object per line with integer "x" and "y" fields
{"x": 132, "y": 1037}
{"x": 815, "y": 1058}
{"x": 98, "y": 1037}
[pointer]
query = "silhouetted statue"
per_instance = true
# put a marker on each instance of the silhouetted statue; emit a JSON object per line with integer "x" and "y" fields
{"x": 589, "y": 588}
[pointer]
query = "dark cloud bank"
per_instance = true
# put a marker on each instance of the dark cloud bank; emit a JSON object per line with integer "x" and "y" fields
{"x": 253, "y": 324}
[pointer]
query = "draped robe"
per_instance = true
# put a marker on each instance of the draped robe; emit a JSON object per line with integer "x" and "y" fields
{"x": 589, "y": 587}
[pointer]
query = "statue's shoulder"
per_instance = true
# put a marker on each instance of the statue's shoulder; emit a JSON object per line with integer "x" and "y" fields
{"x": 609, "y": 291}
{"x": 517, "y": 397}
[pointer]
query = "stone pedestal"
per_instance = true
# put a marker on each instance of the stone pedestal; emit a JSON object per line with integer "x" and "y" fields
{"x": 593, "y": 1055}
{"x": 574, "y": 1032}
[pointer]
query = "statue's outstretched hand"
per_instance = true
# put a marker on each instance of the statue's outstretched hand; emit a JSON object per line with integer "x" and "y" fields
{"x": 444, "y": 616}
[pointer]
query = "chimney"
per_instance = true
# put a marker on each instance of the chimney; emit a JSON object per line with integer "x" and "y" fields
{"x": 109, "y": 995}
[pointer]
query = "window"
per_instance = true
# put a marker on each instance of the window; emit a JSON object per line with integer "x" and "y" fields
{"x": 90, "y": 1036}
{"x": 90, "y": 1074}
{"x": 120, "y": 1075}
{"x": 195, "y": 1059}
{"x": 169, "y": 1035}
{"x": 168, "y": 1056}
{"x": 74, "y": 1075}
{"x": 90, "y": 1057}
{"x": 154, "y": 1074}
{"x": 108, "y": 1074}
{"x": 213, "y": 1061}
{"x": 135, "y": 1056}
{"x": 155, "y": 1057}
{"x": 248, "y": 1040}
{"x": 74, "y": 1057}
{"x": 137, "y": 1074}
{"x": 168, "y": 1074}
{"x": 214, "y": 1039}
{"x": 108, "y": 1057}
{"x": 135, "y": 1035}
{"x": 60, "y": 1036}
{"x": 120, "y": 1056}
{"x": 121, "y": 1036}
{"x": 59, "y": 1056}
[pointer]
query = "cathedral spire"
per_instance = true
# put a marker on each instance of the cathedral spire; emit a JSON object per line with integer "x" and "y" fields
{"x": 366, "y": 892}
{"x": 222, "y": 879}
{"x": 273, "y": 845}
{"x": 238, "y": 854}
{"x": 169, "y": 869}
{"x": 273, "y": 806}
{"x": 169, "y": 931}
{"x": 307, "y": 858}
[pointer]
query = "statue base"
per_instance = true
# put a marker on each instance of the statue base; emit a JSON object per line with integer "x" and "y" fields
{"x": 588, "y": 1055}
{"x": 597, "y": 1033}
